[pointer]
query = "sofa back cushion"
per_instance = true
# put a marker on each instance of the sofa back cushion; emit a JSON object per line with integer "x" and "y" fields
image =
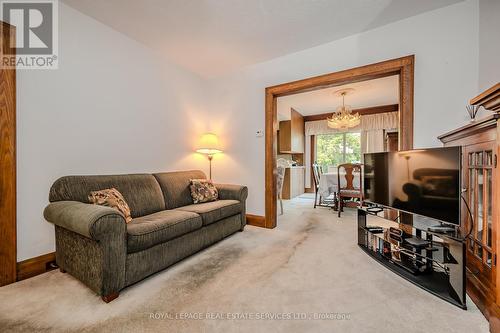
{"x": 176, "y": 187}
{"x": 141, "y": 191}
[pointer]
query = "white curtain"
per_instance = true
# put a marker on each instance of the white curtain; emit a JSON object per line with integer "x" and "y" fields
{"x": 372, "y": 133}
{"x": 372, "y": 141}
{"x": 379, "y": 121}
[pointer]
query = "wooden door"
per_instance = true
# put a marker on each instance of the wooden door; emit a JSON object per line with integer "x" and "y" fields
{"x": 480, "y": 180}
{"x": 7, "y": 163}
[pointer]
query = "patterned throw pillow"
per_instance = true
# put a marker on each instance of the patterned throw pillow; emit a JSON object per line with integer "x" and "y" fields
{"x": 203, "y": 190}
{"x": 111, "y": 198}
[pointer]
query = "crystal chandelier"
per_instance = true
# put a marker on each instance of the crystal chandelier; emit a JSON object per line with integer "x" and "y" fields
{"x": 343, "y": 118}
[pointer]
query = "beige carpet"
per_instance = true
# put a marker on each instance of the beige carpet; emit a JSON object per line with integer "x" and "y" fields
{"x": 310, "y": 265}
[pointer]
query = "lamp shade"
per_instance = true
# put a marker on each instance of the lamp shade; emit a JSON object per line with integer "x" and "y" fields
{"x": 209, "y": 144}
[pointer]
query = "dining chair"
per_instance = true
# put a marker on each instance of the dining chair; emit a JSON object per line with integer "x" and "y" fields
{"x": 279, "y": 183}
{"x": 349, "y": 191}
{"x": 280, "y": 178}
{"x": 316, "y": 169}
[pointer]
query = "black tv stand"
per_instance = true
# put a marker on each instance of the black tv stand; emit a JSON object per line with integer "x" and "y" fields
{"x": 441, "y": 229}
{"x": 432, "y": 259}
{"x": 374, "y": 209}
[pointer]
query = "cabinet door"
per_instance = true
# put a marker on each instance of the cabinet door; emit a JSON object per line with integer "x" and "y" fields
{"x": 480, "y": 180}
{"x": 296, "y": 181}
{"x": 285, "y": 136}
{"x": 297, "y": 132}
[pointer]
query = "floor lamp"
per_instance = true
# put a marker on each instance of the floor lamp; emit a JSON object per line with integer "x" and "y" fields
{"x": 209, "y": 145}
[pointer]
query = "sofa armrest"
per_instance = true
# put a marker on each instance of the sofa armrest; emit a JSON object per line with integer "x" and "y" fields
{"x": 91, "y": 244}
{"x": 232, "y": 192}
{"x": 91, "y": 221}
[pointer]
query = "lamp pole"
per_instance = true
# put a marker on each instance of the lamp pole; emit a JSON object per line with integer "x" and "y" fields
{"x": 210, "y": 157}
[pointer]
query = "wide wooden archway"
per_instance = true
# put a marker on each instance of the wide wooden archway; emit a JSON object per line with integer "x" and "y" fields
{"x": 403, "y": 67}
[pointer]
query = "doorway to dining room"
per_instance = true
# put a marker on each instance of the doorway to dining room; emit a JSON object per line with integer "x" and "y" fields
{"x": 381, "y": 119}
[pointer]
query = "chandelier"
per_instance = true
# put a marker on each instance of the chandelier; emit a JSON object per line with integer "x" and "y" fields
{"x": 343, "y": 118}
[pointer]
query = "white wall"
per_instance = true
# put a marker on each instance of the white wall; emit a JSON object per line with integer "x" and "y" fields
{"x": 489, "y": 43}
{"x": 111, "y": 107}
{"x": 445, "y": 44}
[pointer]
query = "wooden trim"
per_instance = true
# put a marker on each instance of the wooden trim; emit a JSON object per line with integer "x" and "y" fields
{"x": 35, "y": 266}
{"x": 256, "y": 220}
{"x": 361, "y": 111}
{"x": 489, "y": 99}
{"x": 478, "y": 126}
{"x": 484, "y": 302}
{"x": 406, "y": 95}
{"x": 312, "y": 147}
{"x": 8, "y": 237}
{"x": 270, "y": 159}
{"x": 358, "y": 74}
{"x": 404, "y": 67}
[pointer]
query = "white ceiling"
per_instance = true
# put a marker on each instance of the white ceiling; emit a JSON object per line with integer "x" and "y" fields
{"x": 212, "y": 37}
{"x": 370, "y": 93}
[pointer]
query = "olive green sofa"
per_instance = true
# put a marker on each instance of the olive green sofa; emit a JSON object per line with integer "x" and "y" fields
{"x": 96, "y": 246}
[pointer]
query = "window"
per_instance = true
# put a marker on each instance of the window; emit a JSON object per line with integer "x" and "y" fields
{"x": 338, "y": 148}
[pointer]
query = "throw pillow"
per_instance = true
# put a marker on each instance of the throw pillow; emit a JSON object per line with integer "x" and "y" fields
{"x": 111, "y": 198}
{"x": 203, "y": 190}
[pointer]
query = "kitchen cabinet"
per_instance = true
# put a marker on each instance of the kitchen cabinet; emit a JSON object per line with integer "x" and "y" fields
{"x": 291, "y": 134}
{"x": 294, "y": 182}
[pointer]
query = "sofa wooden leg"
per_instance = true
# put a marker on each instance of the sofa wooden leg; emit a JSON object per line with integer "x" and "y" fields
{"x": 110, "y": 297}
{"x": 62, "y": 270}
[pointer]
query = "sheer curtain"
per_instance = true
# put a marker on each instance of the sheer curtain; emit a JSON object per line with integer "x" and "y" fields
{"x": 372, "y": 129}
{"x": 372, "y": 141}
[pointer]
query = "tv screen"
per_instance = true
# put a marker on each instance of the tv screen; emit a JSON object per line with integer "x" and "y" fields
{"x": 424, "y": 181}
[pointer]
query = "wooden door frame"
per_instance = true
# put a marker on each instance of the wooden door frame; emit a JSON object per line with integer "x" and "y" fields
{"x": 403, "y": 67}
{"x": 8, "y": 251}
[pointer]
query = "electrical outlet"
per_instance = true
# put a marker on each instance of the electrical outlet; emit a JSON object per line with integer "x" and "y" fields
{"x": 259, "y": 133}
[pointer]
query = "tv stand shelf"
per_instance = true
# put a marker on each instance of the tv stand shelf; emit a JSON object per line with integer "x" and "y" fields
{"x": 431, "y": 260}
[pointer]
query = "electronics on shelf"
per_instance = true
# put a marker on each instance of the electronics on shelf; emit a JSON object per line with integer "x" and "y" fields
{"x": 434, "y": 261}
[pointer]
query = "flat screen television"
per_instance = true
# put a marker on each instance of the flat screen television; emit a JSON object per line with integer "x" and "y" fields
{"x": 423, "y": 181}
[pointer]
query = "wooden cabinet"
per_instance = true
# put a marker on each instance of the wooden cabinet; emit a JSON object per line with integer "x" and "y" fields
{"x": 392, "y": 141}
{"x": 291, "y": 134}
{"x": 479, "y": 180}
{"x": 480, "y": 141}
{"x": 294, "y": 182}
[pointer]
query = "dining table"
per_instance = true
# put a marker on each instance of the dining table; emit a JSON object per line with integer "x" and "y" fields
{"x": 328, "y": 183}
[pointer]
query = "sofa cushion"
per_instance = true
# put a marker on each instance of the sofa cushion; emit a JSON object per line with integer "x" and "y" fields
{"x": 203, "y": 190}
{"x": 176, "y": 187}
{"x": 111, "y": 198}
{"x": 141, "y": 191}
{"x": 150, "y": 230}
{"x": 214, "y": 211}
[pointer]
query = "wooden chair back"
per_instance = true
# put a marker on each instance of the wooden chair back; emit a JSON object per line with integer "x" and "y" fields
{"x": 280, "y": 177}
{"x": 350, "y": 169}
{"x": 316, "y": 169}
